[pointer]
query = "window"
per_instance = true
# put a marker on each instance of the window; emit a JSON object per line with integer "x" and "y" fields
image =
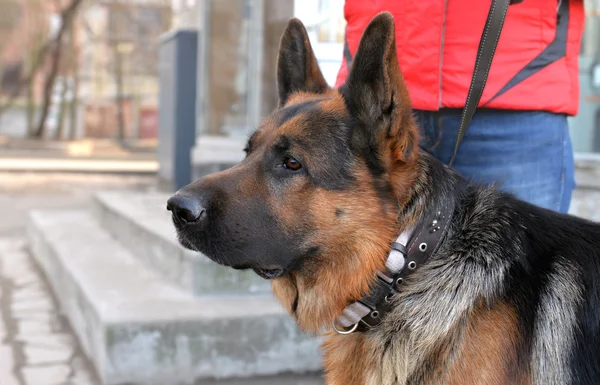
{"x": 326, "y": 32}
{"x": 231, "y": 63}
{"x": 54, "y": 23}
{"x": 11, "y": 78}
{"x": 585, "y": 127}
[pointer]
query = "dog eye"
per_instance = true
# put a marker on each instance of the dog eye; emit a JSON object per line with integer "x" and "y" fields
{"x": 291, "y": 164}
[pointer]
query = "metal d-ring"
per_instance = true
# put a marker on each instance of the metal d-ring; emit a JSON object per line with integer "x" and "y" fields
{"x": 345, "y": 332}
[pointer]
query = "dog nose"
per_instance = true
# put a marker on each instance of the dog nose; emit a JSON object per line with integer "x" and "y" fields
{"x": 186, "y": 209}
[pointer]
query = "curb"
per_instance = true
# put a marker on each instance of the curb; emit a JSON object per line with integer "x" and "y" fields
{"x": 78, "y": 166}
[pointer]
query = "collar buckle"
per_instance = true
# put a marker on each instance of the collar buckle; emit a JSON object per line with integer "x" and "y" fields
{"x": 344, "y": 332}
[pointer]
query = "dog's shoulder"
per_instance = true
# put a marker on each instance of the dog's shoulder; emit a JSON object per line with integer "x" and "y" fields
{"x": 552, "y": 263}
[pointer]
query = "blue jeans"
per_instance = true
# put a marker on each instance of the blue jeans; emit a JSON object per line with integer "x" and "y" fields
{"x": 528, "y": 154}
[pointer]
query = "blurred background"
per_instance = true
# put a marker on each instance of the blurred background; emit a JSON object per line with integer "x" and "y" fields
{"x": 108, "y": 106}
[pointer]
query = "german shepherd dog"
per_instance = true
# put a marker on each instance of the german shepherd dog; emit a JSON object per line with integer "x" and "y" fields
{"x": 509, "y": 293}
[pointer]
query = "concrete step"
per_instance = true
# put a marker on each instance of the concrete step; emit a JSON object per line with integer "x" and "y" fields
{"x": 137, "y": 327}
{"x": 142, "y": 224}
{"x": 316, "y": 379}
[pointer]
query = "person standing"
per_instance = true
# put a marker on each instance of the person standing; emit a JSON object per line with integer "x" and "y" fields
{"x": 519, "y": 136}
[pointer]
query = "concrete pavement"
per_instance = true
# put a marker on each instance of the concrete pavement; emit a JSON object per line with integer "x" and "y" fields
{"x": 36, "y": 345}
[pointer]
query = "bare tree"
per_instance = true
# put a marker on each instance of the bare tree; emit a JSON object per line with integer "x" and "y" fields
{"x": 69, "y": 72}
{"x": 62, "y": 107}
{"x": 74, "y": 68}
{"x": 119, "y": 53}
{"x": 67, "y": 16}
{"x": 38, "y": 46}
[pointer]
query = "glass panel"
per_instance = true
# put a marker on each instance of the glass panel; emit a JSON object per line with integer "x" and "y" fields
{"x": 276, "y": 15}
{"x": 585, "y": 127}
{"x": 238, "y": 57}
{"x": 325, "y": 28}
{"x": 228, "y": 59}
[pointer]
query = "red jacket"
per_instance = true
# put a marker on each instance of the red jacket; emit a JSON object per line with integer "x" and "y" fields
{"x": 535, "y": 66}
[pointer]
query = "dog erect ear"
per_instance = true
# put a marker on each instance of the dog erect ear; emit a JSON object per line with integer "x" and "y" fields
{"x": 375, "y": 87}
{"x": 297, "y": 67}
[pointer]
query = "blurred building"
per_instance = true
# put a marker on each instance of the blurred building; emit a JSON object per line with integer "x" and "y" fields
{"x": 109, "y": 61}
{"x": 113, "y": 60}
{"x": 25, "y": 25}
{"x": 119, "y": 58}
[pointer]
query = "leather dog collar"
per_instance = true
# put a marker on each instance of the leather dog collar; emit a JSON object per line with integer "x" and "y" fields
{"x": 410, "y": 250}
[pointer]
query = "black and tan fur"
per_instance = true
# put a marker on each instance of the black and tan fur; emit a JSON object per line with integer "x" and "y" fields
{"x": 512, "y": 296}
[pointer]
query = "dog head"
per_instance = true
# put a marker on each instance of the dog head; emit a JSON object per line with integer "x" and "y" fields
{"x": 315, "y": 203}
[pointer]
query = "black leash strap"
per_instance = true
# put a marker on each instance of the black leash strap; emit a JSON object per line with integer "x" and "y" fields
{"x": 485, "y": 55}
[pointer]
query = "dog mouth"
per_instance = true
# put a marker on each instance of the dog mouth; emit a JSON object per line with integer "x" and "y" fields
{"x": 185, "y": 243}
{"x": 269, "y": 273}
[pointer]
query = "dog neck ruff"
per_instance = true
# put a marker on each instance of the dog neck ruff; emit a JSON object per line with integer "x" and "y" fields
{"x": 411, "y": 249}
